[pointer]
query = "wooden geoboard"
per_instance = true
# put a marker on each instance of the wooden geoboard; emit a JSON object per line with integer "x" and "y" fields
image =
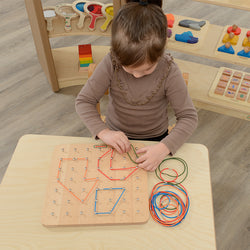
{"x": 91, "y": 184}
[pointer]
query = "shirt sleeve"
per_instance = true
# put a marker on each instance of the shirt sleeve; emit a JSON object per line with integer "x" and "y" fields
{"x": 185, "y": 112}
{"x": 90, "y": 95}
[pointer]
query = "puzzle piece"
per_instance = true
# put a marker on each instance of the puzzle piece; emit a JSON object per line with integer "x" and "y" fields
{"x": 186, "y": 37}
{"x": 192, "y": 24}
{"x": 226, "y": 48}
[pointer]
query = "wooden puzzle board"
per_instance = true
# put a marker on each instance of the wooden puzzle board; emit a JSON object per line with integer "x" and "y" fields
{"x": 92, "y": 184}
{"x": 201, "y": 34}
{"x": 211, "y": 93}
{"x": 237, "y": 48}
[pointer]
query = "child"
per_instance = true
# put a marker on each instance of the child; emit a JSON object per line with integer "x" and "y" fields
{"x": 142, "y": 80}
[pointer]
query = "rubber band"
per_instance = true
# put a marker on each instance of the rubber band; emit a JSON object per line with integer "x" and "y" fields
{"x": 168, "y": 204}
{"x": 178, "y": 177}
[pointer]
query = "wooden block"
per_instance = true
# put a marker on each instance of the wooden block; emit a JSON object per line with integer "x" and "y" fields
{"x": 233, "y": 86}
{"x": 237, "y": 74}
{"x": 85, "y": 49}
{"x": 185, "y": 77}
{"x": 230, "y": 94}
{"x": 245, "y": 83}
{"x": 92, "y": 184}
{"x": 243, "y": 90}
{"x": 222, "y": 84}
{"x": 219, "y": 91}
{"x": 225, "y": 78}
{"x": 227, "y": 72}
{"x": 241, "y": 97}
{"x": 235, "y": 81}
{"x": 246, "y": 77}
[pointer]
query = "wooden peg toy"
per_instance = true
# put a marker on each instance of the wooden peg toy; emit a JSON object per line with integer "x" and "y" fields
{"x": 235, "y": 29}
{"x": 78, "y": 7}
{"x": 67, "y": 12}
{"x": 49, "y": 14}
{"x": 94, "y": 10}
{"x": 108, "y": 12}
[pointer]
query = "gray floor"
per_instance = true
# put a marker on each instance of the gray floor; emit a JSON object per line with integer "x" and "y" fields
{"x": 28, "y": 106}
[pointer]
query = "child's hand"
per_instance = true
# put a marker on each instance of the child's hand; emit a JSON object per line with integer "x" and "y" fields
{"x": 152, "y": 156}
{"x": 117, "y": 139}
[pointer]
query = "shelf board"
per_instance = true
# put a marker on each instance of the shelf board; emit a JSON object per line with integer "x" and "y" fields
{"x": 236, "y": 4}
{"x": 201, "y": 78}
{"x": 209, "y": 37}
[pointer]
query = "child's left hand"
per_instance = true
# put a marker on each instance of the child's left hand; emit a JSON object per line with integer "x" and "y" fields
{"x": 152, "y": 156}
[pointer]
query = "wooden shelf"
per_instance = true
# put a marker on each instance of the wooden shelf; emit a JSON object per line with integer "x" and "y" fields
{"x": 209, "y": 37}
{"x": 237, "y": 4}
{"x": 201, "y": 78}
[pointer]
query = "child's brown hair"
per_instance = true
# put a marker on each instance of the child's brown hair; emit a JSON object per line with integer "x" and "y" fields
{"x": 139, "y": 33}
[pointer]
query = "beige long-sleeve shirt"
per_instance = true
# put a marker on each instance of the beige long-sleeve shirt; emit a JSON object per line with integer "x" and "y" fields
{"x": 138, "y": 106}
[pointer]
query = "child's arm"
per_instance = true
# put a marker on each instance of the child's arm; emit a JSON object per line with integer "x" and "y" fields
{"x": 86, "y": 102}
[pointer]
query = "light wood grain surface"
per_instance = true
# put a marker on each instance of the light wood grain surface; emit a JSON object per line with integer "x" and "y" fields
{"x": 28, "y": 105}
{"x": 23, "y": 190}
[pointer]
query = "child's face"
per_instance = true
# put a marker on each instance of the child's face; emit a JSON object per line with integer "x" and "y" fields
{"x": 140, "y": 71}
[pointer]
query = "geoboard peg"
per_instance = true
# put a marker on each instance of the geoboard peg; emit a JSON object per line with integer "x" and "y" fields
{"x": 137, "y": 199}
{"x": 72, "y": 168}
{"x": 52, "y": 213}
{"x": 56, "y": 189}
{"x": 138, "y": 211}
{"x": 68, "y": 201}
{"x": 67, "y": 213}
{"x": 81, "y": 212}
{"x": 137, "y": 188}
{"x": 124, "y": 211}
{"x": 62, "y": 149}
{"x": 54, "y": 201}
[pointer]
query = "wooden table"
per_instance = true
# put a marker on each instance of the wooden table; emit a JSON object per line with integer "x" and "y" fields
{"x": 23, "y": 190}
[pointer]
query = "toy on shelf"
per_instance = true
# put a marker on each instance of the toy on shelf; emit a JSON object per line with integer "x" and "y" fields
{"x": 226, "y": 48}
{"x": 67, "y": 12}
{"x": 49, "y": 14}
{"x": 186, "y": 37}
{"x": 196, "y": 25}
{"x": 230, "y": 37}
{"x": 108, "y": 12}
{"x": 170, "y": 20}
{"x": 94, "y": 10}
{"x": 232, "y": 86}
{"x": 235, "y": 29}
{"x": 246, "y": 41}
{"x": 91, "y": 184}
{"x": 85, "y": 56}
{"x": 245, "y": 52}
{"x": 78, "y": 7}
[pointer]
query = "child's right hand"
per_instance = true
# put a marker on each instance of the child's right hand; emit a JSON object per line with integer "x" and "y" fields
{"x": 117, "y": 139}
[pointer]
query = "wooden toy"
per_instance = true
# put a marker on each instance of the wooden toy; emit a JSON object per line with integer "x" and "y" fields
{"x": 230, "y": 37}
{"x": 245, "y": 52}
{"x": 192, "y": 24}
{"x": 186, "y": 37}
{"x": 233, "y": 44}
{"x": 92, "y": 184}
{"x": 94, "y": 10}
{"x": 231, "y": 86}
{"x": 49, "y": 14}
{"x": 78, "y": 7}
{"x": 108, "y": 12}
{"x": 67, "y": 12}
{"x": 234, "y": 28}
{"x": 170, "y": 20}
{"x": 226, "y": 48}
{"x": 246, "y": 41}
{"x": 85, "y": 56}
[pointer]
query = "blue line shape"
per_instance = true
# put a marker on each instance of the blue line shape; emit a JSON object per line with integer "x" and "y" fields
{"x": 123, "y": 190}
